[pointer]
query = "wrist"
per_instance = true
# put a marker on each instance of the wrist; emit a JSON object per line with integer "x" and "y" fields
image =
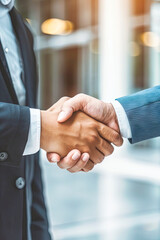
{"x": 123, "y": 121}
{"x": 42, "y": 133}
{"x": 48, "y": 129}
{"x": 111, "y": 116}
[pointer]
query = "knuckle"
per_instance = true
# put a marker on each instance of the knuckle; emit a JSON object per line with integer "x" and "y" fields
{"x": 101, "y": 159}
{"x": 92, "y": 138}
{"x": 88, "y": 167}
{"x": 65, "y": 98}
{"x": 70, "y": 170}
{"x": 111, "y": 149}
{"x": 94, "y": 125}
{"x": 86, "y": 149}
{"x": 80, "y": 95}
{"x": 69, "y": 165}
{"x": 120, "y": 142}
{"x": 65, "y": 164}
{"x": 60, "y": 165}
{"x": 98, "y": 161}
{"x": 116, "y": 137}
{"x": 76, "y": 169}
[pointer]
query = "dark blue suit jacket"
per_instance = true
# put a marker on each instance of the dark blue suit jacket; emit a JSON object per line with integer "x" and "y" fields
{"x": 143, "y": 111}
{"x": 21, "y": 210}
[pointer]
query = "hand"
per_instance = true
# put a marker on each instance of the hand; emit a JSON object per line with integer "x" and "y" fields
{"x": 79, "y": 132}
{"x": 103, "y": 112}
{"x": 71, "y": 161}
{"x": 74, "y": 161}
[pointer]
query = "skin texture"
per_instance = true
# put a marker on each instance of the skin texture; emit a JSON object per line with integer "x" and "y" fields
{"x": 79, "y": 132}
{"x": 97, "y": 109}
{"x": 103, "y": 112}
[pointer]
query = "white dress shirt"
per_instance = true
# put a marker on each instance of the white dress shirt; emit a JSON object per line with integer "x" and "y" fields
{"x": 123, "y": 122}
{"x": 15, "y": 64}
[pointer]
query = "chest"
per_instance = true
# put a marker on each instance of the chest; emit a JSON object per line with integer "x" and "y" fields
{"x": 18, "y": 75}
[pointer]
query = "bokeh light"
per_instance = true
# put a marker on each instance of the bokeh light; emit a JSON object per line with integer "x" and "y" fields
{"x": 54, "y": 26}
{"x": 150, "y": 39}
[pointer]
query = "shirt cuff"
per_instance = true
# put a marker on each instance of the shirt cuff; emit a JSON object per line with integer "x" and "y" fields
{"x": 33, "y": 142}
{"x": 123, "y": 122}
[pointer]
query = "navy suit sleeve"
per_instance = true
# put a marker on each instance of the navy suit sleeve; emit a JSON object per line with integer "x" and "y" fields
{"x": 39, "y": 227}
{"x": 14, "y": 128}
{"x": 143, "y": 112}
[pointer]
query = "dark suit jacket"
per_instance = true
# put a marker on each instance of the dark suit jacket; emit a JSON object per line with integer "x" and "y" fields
{"x": 143, "y": 112}
{"x": 26, "y": 205}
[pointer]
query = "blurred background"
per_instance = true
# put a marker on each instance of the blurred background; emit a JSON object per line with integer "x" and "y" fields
{"x": 107, "y": 49}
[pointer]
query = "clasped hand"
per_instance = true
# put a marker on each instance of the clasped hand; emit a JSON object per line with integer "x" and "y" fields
{"x": 77, "y": 142}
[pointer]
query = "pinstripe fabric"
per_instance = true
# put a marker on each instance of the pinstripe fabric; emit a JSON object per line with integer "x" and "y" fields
{"x": 143, "y": 112}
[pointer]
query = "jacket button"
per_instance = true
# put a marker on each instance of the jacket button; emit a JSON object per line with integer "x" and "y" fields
{"x": 3, "y": 156}
{"x": 20, "y": 183}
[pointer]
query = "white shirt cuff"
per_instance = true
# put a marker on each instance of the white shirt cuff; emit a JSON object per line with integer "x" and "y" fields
{"x": 123, "y": 122}
{"x": 33, "y": 142}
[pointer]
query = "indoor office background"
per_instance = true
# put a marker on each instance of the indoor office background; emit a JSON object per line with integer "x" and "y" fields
{"x": 105, "y": 48}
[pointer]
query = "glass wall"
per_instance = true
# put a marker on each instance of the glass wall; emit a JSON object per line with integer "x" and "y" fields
{"x": 106, "y": 49}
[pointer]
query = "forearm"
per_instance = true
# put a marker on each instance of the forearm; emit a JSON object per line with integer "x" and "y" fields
{"x": 14, "y": 128}
{"x": 143, "y": 113}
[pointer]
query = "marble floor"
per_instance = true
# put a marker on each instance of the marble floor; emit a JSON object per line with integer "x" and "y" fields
{"x": 103, "y": 204}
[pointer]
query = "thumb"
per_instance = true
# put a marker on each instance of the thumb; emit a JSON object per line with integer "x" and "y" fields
{"x": 65, "y": 114}
{"x": 70, "y": 106}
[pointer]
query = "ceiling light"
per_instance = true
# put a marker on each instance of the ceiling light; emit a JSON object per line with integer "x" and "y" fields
{"x": 150, "y": 39}
{"x": 56, "y": 26}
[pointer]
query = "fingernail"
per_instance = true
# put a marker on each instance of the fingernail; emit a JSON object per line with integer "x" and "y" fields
{"x": 54, "y": 160}
{"x": 76, "y": 156}
{"x": 85, "y": 158}
{"x": 61, "y": 116}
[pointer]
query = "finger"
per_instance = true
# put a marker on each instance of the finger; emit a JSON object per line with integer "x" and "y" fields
{"x": 80, "y": 164}
{"x": 53, "y": 157}
{"x": 110, "y": 135}
{"x": 96, "y": 156}
{"x": 70, "y": 160}
{"x": 105, "y": 147}
{"x": 89, "y": 166}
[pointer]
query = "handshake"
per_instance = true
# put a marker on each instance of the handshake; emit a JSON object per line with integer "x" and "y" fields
{"x": 78, "y": 133}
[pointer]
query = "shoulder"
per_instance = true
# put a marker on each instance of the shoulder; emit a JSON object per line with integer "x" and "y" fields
{"x": 29, "y": 30}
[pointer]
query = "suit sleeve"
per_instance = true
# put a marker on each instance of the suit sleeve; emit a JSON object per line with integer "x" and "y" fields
{"x": 143, "y": 112}
{"x": 40, "y": 226}
{"x": 14, "y": 128}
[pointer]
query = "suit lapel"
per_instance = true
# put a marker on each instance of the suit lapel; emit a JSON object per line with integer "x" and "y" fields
{"x": 6, "y": 75}
{"x": 27, "y": 55}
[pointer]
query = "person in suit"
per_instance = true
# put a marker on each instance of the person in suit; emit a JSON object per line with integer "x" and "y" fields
{"x": 136, "y": 116}
{"x": 24, "y": 129}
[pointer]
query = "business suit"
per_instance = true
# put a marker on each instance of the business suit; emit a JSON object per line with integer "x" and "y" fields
{"x": 22, "y": 208}
{"x": 143, "y": 112}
